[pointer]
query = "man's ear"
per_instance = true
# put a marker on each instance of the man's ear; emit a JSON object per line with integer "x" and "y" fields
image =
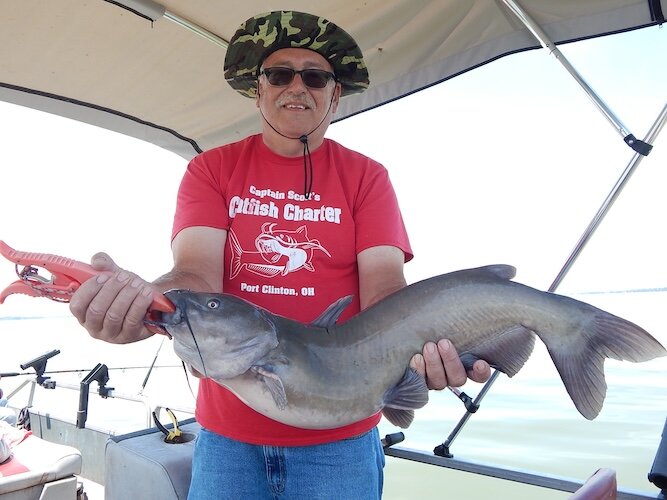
{"x": 336, "y": 97}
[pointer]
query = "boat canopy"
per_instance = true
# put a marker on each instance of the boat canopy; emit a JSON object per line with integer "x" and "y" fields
{"x": 154, "y": 70}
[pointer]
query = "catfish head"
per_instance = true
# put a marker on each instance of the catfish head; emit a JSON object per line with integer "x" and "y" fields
{"x": 219, "y": 335}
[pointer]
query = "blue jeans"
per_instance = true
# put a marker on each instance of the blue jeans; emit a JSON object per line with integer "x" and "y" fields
{"x": 226, "y": 469}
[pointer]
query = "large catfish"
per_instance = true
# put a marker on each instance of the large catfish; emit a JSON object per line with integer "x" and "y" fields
{"x": 325, "y": 375}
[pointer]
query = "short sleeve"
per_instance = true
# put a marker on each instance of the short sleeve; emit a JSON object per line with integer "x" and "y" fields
{"x": 202, "y": 199}
{"x": 377, "y": 215}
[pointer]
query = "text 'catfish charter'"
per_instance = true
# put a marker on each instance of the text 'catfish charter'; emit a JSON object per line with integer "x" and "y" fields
{"x": 291, "y": 212}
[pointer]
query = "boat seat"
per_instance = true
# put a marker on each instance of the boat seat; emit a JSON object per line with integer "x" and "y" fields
{"x": 142, "y": 465}
{"x": 39, "y": 470}
{"x": 600, "y": 486}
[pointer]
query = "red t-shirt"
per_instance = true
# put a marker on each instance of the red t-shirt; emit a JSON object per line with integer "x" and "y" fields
{"x": 287, "y": 254}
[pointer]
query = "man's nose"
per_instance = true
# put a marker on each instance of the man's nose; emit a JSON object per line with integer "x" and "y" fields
{"x": 297, "y": 83}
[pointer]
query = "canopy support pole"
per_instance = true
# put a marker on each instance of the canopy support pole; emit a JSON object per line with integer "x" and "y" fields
{"x": 195, "y": 28}
{"x": 611, "y": 198}
{"x": 639, "y": 146}
{"x": 443, "y": 450}
{"x": 153, "y": 11}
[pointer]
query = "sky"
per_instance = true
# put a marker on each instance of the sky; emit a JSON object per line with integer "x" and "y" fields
{"x": 504, "y": 164}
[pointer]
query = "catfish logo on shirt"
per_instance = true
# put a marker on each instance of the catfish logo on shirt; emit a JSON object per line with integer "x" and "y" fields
{"x": 277, "y": 252}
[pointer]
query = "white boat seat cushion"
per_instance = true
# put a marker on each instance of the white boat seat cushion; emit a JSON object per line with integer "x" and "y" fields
{"x": 35, "y": 461}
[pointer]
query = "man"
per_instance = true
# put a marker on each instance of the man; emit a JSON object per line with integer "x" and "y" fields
{"x": 290, "y": 221}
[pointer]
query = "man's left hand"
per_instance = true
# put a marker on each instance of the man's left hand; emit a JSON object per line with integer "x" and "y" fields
{"x": 440, "y": 365}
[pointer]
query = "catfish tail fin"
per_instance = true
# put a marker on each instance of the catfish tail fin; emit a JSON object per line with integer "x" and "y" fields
{"x": 236, "y": 252}
{"x": 580, "y": 359}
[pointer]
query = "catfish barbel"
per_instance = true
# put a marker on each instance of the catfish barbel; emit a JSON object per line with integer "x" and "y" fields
{"x": 324, "y": 375}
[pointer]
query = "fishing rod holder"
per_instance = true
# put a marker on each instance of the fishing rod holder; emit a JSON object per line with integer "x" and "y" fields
{"x": 99, "y": 374}
{"x": 39, "y": 365}
{"x": 392, "y": 439}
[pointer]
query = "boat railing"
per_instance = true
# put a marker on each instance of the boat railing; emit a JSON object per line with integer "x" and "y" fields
{"x": 151, "y": 405}
{"x": 532, "y": 478}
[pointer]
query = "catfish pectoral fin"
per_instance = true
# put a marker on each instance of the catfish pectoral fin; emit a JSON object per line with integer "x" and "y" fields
{"x": 400, "y": 401}
{"x": 409, "y": 394}
{"x": 273, "y": 384}
{"x": 400, "y": 418}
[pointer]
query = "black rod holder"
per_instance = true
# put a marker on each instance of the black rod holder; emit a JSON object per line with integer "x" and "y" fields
{"x": 39, "y": 365}
{"x": 99, "y": 374}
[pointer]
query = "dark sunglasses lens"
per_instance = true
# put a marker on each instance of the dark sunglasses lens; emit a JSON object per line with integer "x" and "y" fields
{"x": 279, "y": 76}
{"x": 315, "y": 78}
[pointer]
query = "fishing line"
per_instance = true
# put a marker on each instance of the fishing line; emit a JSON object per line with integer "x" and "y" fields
{"x": 185, "y": 369}
{"x": 81, "y": 370}
{"x": 187, "y": 379}
{"x": 187, "y": 322}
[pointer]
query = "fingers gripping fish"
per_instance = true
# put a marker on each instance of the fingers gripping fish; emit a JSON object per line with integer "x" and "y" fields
{"x": 325, "y": 375}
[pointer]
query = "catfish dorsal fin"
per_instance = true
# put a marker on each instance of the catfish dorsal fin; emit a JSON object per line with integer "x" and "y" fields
{"x": 503, "y": 271}
{"x": 332, "y": 313}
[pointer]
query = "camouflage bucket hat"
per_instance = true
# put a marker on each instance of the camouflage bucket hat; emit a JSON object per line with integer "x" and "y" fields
{"x": 265, "y": 33}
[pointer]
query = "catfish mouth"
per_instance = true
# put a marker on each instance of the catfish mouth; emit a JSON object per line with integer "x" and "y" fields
{"x": 178, "y": 297}
{"x": 171, "y": 318}
{"x": 158, "y": 321}
{"x": 179, "y": 315}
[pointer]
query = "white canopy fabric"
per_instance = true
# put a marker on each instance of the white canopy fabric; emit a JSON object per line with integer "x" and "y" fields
{"x": 128, "y": 68}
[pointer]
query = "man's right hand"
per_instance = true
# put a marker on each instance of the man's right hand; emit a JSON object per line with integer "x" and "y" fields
{"x": 112, "y": 305}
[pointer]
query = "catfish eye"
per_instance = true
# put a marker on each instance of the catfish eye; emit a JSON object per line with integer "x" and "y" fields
{"x": 213, "y": 304}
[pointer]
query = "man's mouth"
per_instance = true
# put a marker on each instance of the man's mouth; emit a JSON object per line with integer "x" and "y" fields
{"x": 296, "y": 106}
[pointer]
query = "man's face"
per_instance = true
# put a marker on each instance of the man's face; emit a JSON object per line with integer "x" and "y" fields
{"x": 296, "y": 109}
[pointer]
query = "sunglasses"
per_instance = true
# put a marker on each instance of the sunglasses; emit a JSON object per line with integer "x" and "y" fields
{"x": 312, "y": 78}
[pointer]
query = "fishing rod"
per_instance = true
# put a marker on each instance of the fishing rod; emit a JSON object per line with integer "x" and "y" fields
{"x": 150, "y": 368}
{"x": 80, "y": 370}
{"x": 99, "y": 374}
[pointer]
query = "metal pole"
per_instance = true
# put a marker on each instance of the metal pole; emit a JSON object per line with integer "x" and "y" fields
{"x": 154, "y": 10}
{"x": 611, "y": 198}
{"x": 195, "y": 28}
{"x": 540, "y": 479}
{"x": 443, "y": 449}
{"x": 639, "y": 146}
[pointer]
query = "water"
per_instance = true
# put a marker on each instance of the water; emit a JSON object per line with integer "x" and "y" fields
{"x": 527, "y": 422}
